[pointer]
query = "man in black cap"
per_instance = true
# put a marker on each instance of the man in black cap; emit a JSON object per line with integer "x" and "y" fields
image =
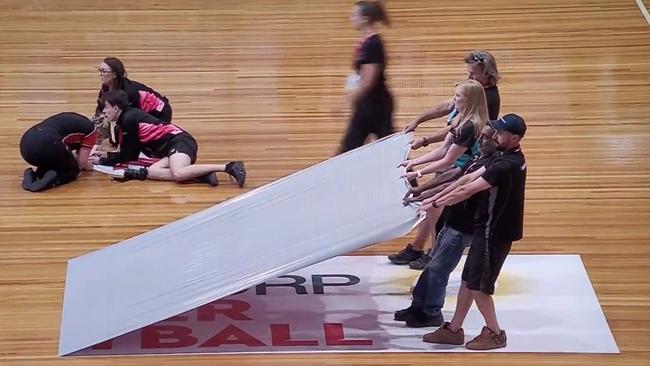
{"x": 498, "y": 189}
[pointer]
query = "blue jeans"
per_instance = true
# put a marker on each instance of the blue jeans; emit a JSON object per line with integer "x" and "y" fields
{"x": 431, "y": 288}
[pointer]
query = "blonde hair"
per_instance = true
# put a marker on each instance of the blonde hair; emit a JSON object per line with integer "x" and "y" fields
{"x": 488, "y": 64}
{"x": 475, "y": 110}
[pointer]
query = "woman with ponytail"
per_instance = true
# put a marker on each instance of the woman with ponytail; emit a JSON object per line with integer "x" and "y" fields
{"x": 369, "y": 97}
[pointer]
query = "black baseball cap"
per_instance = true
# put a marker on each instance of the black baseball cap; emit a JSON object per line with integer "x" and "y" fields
{"x": 511, "y": 123}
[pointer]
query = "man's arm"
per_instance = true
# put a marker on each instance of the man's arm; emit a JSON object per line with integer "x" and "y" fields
{"x": 463, "y": 192}
{"x": 436, "y": 112}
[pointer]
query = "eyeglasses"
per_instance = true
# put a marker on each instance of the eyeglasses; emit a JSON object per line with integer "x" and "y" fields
{"x": 103, "y": 71}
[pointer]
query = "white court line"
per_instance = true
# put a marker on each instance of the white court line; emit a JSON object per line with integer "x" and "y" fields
{"x": 644, "y": 10}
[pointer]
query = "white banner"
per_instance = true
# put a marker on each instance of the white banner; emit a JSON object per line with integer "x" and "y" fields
{"x": 335, "y": 207}
{"x": 545, "y": 302}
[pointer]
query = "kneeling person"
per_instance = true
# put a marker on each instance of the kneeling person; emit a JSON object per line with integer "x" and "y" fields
{"x": 49, "y": 147}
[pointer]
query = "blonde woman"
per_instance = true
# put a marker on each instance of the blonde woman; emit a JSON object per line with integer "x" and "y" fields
{"x": 469, "y": 100}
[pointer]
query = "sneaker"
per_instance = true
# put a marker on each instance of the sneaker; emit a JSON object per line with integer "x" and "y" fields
{"x": 236, "y": 170}
{"x": 28, "y": 178}
{"x": 420, "y": 263}
{"x": 487, "y": 340}
{"x": 444, "y": 335}
{"x": 406, "y": 255}
{"x": 49, "y": 180}
{"x": 210, "y": 178}
{"x": 129, "y": 174}
{"x": 422, "y": 320}
{"x": 401, "y": 315}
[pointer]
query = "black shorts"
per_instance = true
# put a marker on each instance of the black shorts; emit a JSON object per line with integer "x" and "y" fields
{"x": 183, "y": 143}
{"x": 46, "y": 151}
{"x": 484, "y": 262}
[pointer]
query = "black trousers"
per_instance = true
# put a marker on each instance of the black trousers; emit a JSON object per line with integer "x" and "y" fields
{"x": 46, "y": 151}
{"x": 371, "y": 116}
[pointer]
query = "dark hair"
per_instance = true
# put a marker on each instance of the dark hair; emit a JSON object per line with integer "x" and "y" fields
{"x": 117, "y": 98}
{"x": 118, "y": 68}
{"x": 374, "y": 11}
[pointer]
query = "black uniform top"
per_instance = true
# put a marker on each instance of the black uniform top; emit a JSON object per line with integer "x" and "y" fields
{"x": 460, "y": 216}
{"x": 493, "y": 101}
{"x": 500, "y": 209}
{"x": 73, "y": 129}
{"x": 140, "y": 96}
{"x": 371, "y": 51}
{"x": 141, "y": 132}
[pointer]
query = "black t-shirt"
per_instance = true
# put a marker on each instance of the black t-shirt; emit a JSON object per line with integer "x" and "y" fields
{"x": 465, "y": 136}
{"x": 460, "y": 216}
{"x": 141, "y": 132}
{"x": 73, "y": 129}
{"x": 140, "y": 96}
{"x": 371, "y": 51}
{"x": 500, "y": 209}
{"x": 493, "y": 101}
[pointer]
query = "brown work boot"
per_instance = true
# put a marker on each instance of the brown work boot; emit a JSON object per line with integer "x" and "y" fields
{"x": 444, "y": 335}
{"x": 487, "y": 340}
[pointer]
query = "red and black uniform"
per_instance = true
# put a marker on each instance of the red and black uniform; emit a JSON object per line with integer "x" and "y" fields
{"x": 373, "y": 112}
{"x": 142, "y": 97}
{"x": 142, "y": 132}
{"x": 48, "y": 144}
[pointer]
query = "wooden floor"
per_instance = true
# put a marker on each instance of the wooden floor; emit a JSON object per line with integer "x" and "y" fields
{"x": 261, "y": 80}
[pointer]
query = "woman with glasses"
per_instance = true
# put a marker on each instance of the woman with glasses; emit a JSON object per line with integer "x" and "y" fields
{"x": 113, "y": 75}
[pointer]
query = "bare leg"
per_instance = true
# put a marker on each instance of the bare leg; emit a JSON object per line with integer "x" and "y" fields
{"x": 179, "y": 167}
{"x": 463, "y": 304}
{"x": 485, "y": 305}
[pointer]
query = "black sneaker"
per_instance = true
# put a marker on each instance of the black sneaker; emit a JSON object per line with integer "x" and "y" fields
{"x": 406, "y": 255}
{"x": 422, "y": 320}
{"x": 236, "y": 170}
{"x": 420, "y": 263}
{"x": 209, "y": 178}
{"x": 129, "y": 174}
{"x": 28, "y": 178}
{"x": 402, "y": 315}
{"x": 48, "y": 180}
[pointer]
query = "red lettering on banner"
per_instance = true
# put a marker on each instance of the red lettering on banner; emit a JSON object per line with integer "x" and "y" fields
{"x": 177, "y": 318}
{"x": 281, "y": 336}
{"x": 232, "y": 335}
{"x": 235, "y": 311}
{"x": 166, "y": 336}
{"x": 104, "y": 345}
{"x": 334, "y": 336}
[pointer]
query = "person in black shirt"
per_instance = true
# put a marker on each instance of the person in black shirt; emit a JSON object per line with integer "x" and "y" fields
{"x": 177, "y": 149}
{"x": 470, "y": 100}
{"x": 113, "y": 76}
{"x": 498, "y": 189}
{"x": 370, "y": 98}
{"x": 482, "y": 67}
{"x": 49, "y": 147}
{"x": 429, "y": 293}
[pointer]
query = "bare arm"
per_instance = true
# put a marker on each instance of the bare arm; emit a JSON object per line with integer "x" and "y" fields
{"x": 463, "y": 192}
{"x": 454, "y": 152}
{"x": 369, "y": 74}
{"x": 438, "y": 111}
{"x": 446, "y": 176}
{"x": 82, "y": 158}
{"x": 465, "y": 179}
{"x": 435, "y": 154}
